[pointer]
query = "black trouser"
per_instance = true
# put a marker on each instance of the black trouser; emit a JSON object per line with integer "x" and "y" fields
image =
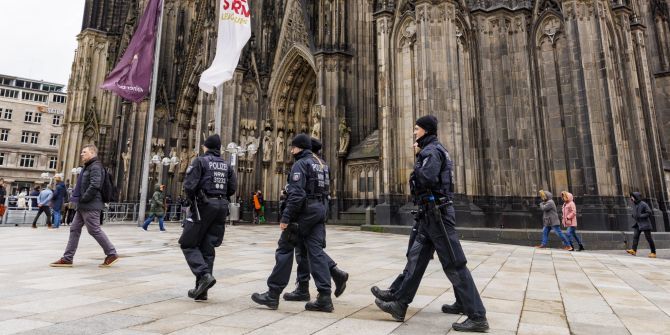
{"x": 199, "y": 239}
{"x": 429, "y": 239}
{"x": 47, "y": 211}
{"x": 647, "y": 234}
{"x": 302, "y": 258}
{"x": 313, "y": 232}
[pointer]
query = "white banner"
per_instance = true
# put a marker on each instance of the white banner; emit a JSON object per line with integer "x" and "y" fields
{"x": 234, "y": 32}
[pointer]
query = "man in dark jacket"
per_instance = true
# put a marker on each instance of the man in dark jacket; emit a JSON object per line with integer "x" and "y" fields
{"x": 57, "y": 200}
{"x": 432, "y": 186}
{"x": 88, "y": 199}
{"x": 33, "y": 197}
{"x": 641, "y": 214}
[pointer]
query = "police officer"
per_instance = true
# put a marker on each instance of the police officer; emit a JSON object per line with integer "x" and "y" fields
{"x": 208, "y": 183}
{"x": 301, "y": 292}
{"x": 432, "y": 188}
{"x": 305, "y": 206}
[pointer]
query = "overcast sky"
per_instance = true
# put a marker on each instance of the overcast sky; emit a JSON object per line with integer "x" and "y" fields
{"x": 38, "y": 38}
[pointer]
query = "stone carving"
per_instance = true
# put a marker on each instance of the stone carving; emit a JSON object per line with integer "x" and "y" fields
{"x": 183, "y": 160}
{"x": 345, "y": 135}
{"x": 316, "y": 121}
{"x": 280, "y": 146}
{"x": 173, "y": 153}
{"x": 552, "y": 28}
{"x": 126, "y": 157}
{"x": 267, "y": 146}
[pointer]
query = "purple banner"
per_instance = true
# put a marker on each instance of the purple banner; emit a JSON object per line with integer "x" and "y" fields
{"x": 131, "y": 78}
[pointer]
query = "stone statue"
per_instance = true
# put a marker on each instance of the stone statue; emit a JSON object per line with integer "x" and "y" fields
{"x": 345, "y": 134}
{"x": 280, "y": 146}
{"x": 191, "y": 156}
{"x": 267, "y": 146}
{"x": 316, "y": 122}
{"x": 173, "y": 153}
{"x": 183, "y": 160}
{"x": 243, "y": 138}
{"x": 126, "y": 157}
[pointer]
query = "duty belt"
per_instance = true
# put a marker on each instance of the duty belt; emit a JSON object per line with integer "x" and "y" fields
{"x": 439, "y": 201}
{"x": 316, "y": 197}
{"x": 216, "y": 196}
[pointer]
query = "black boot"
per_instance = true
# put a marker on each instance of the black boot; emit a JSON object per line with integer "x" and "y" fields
{"x": 205, "y": 282}
{"x": 269, "y": 298}
{"x": 301, "y": 292}
{"x": 396, "y": 309}
{"x": 452, "y": 309}
{"x": 191, "y": 292}
{"x": 472, "y": 325}
{"x": 581, "y": 247}
{"x": 383, "y": 295}
{"x": 323, "y": 303}
{"x": 340, "y": 278}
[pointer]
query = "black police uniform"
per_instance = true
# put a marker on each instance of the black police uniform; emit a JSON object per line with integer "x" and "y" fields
{"x": 302, "y": 257}
{"x": 432, "y": 179}
{"x": 210, "y": 180}
{"x": 304, "y": 205}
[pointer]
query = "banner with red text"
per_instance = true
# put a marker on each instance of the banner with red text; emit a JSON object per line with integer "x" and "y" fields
{"x": 234, "y": 32}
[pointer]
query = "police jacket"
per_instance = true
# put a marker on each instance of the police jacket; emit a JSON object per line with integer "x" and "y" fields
{"x": 307, "y": 180}
{"x": 210, "y": 174}
{"x": 432, "y": 170}
{"x": 91, "y": 186}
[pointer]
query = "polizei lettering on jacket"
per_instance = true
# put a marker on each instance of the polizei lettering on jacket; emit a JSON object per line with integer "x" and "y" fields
{"x": 219, "y": 174}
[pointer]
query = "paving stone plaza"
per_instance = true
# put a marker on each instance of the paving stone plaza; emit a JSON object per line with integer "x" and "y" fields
{"x": 525, "y": 290}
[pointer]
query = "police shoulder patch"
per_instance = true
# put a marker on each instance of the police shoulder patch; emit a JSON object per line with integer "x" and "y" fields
{"x": 190, "y": 168}
{"x": 296, "y": 176}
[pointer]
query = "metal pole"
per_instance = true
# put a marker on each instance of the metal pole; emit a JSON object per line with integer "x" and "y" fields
{"x": 219, "y": 110}
{"x": 150, "y": 122}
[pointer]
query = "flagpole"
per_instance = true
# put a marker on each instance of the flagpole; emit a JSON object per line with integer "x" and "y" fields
{"x": 219, "y": 109}
{"x": 150, "y": 122}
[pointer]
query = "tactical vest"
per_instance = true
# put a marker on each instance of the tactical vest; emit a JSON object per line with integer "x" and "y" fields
{"x": 446, "y": 173}
{"x": 317, "y": 178}
{"x": 214, "y": 178}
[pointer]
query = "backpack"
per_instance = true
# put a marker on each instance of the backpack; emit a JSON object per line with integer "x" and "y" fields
{"x": 109, "y": 191}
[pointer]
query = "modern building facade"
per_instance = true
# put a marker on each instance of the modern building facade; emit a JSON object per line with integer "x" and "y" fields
{"x": 31, "y": 116}
{"x": 531, "y": 94}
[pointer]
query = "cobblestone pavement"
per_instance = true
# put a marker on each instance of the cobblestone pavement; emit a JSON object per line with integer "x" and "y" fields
{"x": 526, "y": 291}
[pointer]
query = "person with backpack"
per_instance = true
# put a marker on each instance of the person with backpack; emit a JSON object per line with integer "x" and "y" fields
{"x": 157, "y": 209}
{"x": 641, "y": 214}
{"x": 88, "y": 197}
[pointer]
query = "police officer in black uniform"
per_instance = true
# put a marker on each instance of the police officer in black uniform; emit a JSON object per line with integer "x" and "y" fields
{"x": 304, "y": 206}
{"x": 432, "y": 188}
{"x": 208, "y": 183}
{"x": 301, "y": 292}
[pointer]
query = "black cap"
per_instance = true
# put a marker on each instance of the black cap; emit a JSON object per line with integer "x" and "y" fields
{"x": 316, "y": 145}
{"x": 428, "y": 123}
{"x": 302, "y": 141}
{"x": 213, "y": 142}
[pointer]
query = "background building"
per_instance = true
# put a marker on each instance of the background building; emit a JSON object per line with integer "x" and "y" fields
{"x": 31, "y": 117}
{"x": 531, "y": 94}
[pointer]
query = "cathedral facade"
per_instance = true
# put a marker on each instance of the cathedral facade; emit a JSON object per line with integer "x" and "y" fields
{"x": 557, "y": 95}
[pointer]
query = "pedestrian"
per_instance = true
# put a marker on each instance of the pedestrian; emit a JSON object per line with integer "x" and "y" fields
{"x": 641, "y": 214}
{"x": 33, "y": 197}
{"x": 550, "y": 221}
{"x": 301, "y": 292}
{"x": 157, "y": 209}
{"x": 569, "y": 219}
{"x": 57, "y": 200}
{"x": 432, "y": 186}
{"x": 257, "y": 207}
{"x": 306, "y": 215}
{"x": 3, "y": 194}
{"x": 87, "y": 198}
{"x": 43, "y": 200}
{"x": 208, "y": 184}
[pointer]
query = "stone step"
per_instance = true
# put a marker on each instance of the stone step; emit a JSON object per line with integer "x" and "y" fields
{"x": 592, "y": 240}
